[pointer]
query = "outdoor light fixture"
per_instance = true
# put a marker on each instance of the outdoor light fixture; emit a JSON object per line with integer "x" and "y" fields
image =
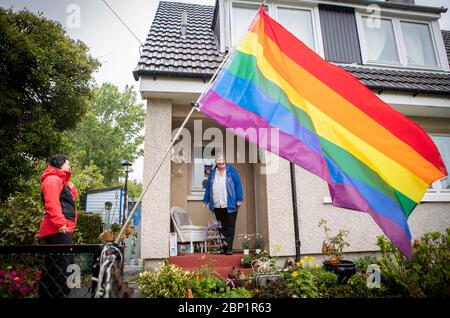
{"x": 108, "y": 208}
{"x": 127, "y": 168}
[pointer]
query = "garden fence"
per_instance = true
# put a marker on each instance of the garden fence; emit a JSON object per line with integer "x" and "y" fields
{"x": 62, "y": 271}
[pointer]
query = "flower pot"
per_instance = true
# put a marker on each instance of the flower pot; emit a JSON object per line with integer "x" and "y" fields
{"x": 261, "y": 280}
{"x": 258, "y": 250}
{"x": 129, "y": 230}
{"x": 344, "y": 269}
{"x": 246, "y": 251}
{"x": 106, "y": 236}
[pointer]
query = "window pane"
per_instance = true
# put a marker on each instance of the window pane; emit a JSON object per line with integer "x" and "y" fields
{"x": 242, "y": 16}
{"x": 202, "y": 166}
{"x": 380, "y": 40}
{"x": 443, "y": 145}
{"x": 299, "y": 23}
{"x": 418, "y": 43}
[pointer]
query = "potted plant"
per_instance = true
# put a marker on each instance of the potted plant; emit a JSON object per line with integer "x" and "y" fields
{"x": 214, "y": 240}
{"x": 265, "y": 269}
{"x": 245, "y": 242}
{"x": 258, "y": 242}
{"x": 332, "y": 248}
{"x": 129, "y": 230}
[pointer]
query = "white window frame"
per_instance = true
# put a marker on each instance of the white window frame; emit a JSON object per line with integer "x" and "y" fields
{"x": 196, "y": 193}
{"x": 436, "y": 193}
{"x": 315, "y": 21}
{"x": 399, "y": 42}
{"x": 272, "y": 10}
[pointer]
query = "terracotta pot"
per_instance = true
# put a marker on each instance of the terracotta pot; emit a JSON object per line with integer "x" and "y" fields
{"x": 106, "y": 236}
{"x": 129, "y": 230}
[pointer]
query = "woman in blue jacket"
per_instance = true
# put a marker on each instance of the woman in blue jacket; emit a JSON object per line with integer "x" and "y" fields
{"x": 223, "y": 194}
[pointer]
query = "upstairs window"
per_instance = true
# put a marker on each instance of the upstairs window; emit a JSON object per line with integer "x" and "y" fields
{"x": 242, "y": 16}
{"x": 302, "y": 22}
{"x": 299, "y": 23}
{"x": 397, "y": 42}
{"x": 418, "y": 44}
{"x": 380, "y": 41}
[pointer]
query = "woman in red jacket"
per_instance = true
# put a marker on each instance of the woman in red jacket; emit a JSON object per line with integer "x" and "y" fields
{"x": 58, "y": 197}
{"x": 57, "y": 225}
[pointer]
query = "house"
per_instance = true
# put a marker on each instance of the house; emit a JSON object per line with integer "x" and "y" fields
{"x": 96, "y": 201}
{"x": 404, "y": 60}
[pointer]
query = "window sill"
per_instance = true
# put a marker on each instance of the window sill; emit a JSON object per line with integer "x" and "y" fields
{"x": 436, "y": 197}
{"x": 195, "y": 197}
{"x": 401, "y": 67}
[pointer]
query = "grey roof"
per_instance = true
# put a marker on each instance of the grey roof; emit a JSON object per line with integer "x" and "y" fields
{"x": 401, "y": 80}
{"x": 166, "y": 52}
{"x": 197, "y": 55}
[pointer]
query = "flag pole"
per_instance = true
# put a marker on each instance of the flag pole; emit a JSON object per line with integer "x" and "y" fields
{"x": 295, "y": 210}
{"x": 195, "y": 106}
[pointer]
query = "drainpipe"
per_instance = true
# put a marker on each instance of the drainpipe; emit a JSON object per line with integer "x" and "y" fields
{"x": 295, "y": 210}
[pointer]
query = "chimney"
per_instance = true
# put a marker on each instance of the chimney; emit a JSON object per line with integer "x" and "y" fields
{"x": 183, "y": 24}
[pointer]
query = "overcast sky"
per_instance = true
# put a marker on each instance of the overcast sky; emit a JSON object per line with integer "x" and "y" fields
{"x": 111, "y": 43}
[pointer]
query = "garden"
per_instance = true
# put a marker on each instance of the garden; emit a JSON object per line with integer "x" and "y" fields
{"x": 390, "y": 275}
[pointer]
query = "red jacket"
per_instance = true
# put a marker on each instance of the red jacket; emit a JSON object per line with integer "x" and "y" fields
{"x": 57, "y": 194}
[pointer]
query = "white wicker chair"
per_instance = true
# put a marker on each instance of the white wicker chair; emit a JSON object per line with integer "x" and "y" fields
{"x": 187, "y": 232}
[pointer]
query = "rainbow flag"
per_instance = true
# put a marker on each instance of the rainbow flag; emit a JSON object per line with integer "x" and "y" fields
{"x": 374, "y": 159}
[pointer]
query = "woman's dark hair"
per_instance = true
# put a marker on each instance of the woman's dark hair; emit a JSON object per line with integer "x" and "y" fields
{"x": 57, "y": 160}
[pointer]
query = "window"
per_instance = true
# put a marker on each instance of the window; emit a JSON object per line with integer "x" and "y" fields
{"x": 439, "y": 191}
{"x": 397, "y": 42}
{"x": 418, "y": 44}
{"x": 204, "y": 160}
{"x": 443, "y": 144}
{"x": 303, "y": 22}
{"x": 380, "y": 40}
{"x": 242, "y": 16}
{"x": 299, "y": 23}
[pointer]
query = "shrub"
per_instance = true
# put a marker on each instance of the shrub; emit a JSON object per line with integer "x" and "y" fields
{"x": 169, "y": 281}
{"x": 364, "y": 262}
{"x": 238, "y": 292}
{"x": 427, "y": 274}
{"x": 275, "y": 289}
{"x": 89, "y": 226}
{"x": 207, "y": 286}
{"x": 20, "y": 217}
{"x": 324, "y": 280}
{"x": 303, "y": 284}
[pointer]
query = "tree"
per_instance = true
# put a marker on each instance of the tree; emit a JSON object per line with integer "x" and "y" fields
{"x": 45, "y": 86}
{"x": 110, "y": 131}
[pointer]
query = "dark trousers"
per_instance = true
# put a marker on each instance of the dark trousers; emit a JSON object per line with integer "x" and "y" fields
{"x": 228, "y": 221}
{"x": 54, "y": 274}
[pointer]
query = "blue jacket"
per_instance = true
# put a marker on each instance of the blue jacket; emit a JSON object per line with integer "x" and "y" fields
{"x": 234, "y": 189}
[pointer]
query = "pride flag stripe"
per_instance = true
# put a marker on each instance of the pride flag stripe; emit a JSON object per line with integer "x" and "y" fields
{"x": 245, "y": 70}
{"x": 349, "y": 87}
{"x": 271, "y": 61}
{"x": 373, "y": 199}
{"x": 252, "y": 98}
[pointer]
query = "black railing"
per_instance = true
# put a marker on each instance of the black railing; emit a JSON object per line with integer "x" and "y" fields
{"x": 52, "y": 271}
